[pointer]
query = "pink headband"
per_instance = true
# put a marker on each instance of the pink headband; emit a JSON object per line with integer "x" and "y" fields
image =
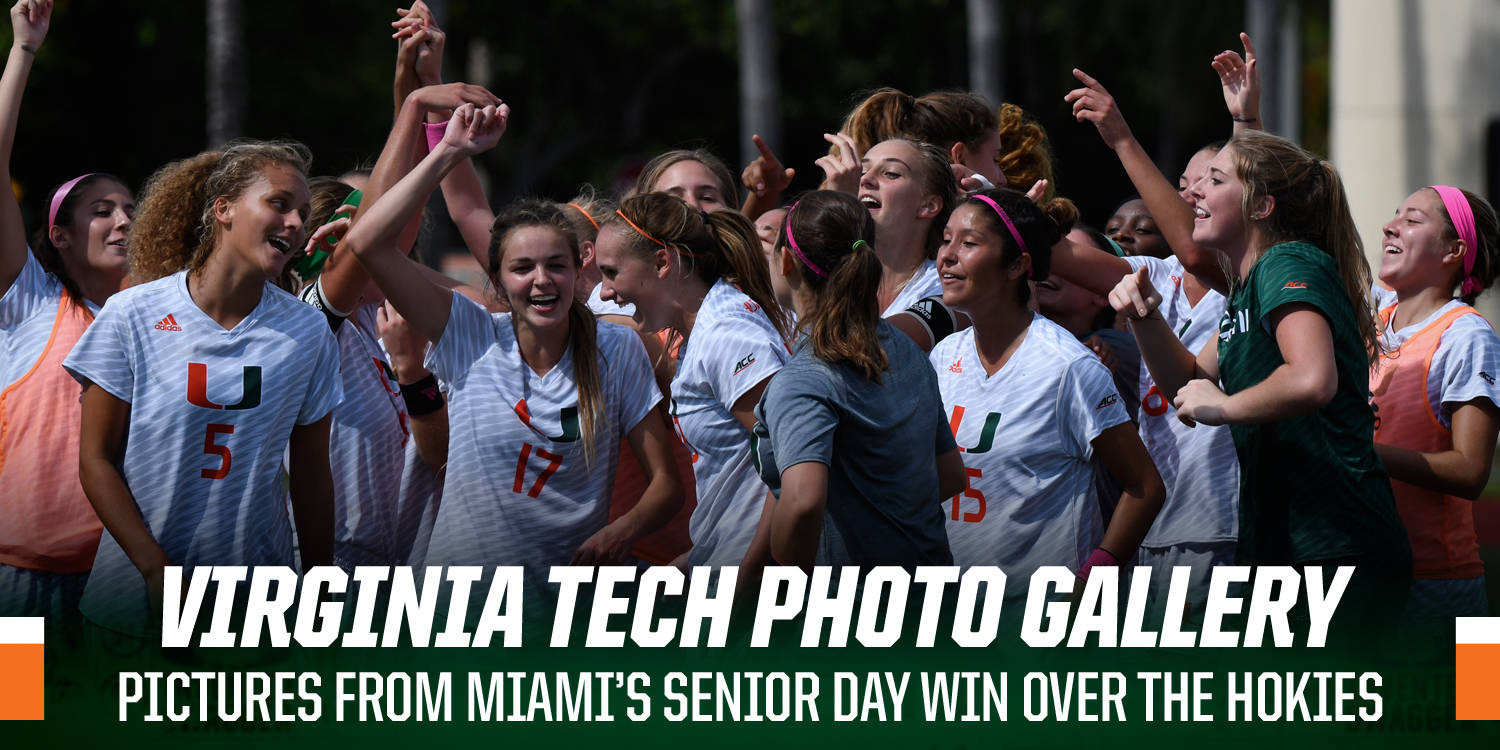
{"x": 1462, "y": 216}
{"x": 1008, "y": 225}
{"x": 62, "y": 194}
{"x": 797, "y": 250}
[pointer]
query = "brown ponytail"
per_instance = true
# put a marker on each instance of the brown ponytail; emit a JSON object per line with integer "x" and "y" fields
{"x": 834, "y": 232}
{"x": 583, "y": 333}
{"x": 712, "y": 245}
{"x": 583, "y": 336}
{"x": 1310, "y": 206}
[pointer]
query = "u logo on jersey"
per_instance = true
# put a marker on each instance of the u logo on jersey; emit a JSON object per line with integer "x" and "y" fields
{"x": 986, "y": 434}
{"x": 568, "y": 419}
{"x": 197, "y": 392}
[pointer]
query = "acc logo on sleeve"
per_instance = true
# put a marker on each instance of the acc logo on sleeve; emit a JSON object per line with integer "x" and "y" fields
{"x": 21, "y": 668}
{"x": 1295, "y": 285}
{"x": 740, "y": 366}
{"x": 1109, "y": 400}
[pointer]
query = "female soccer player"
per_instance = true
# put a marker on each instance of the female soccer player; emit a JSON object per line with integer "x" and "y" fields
{"x": 1436, "y": 404}
{"x": 853, "y": 423}
{"x": 540, "y": 395}
{"x": 48, "y": 297}
{"x": 702, "y": 275}
{"x": 198, "y": 381}
{"x": 374, "y": 426}
{"x": 1030, "y": 406}
{"x": 1293, "y": 352}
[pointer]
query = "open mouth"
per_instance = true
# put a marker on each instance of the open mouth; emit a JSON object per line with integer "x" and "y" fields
{"x": 282, "y": 244}
{"x": 543, "y": 302}
{"x": 1391, "y": 250}
{"x": 869, "y": 201}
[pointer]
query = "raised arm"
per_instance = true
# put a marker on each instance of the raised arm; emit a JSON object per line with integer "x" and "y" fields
{"x": 372, "y": 240}
{"x": 343, "y": 279}
{"x": 766, "y": 179}
{"x": 1173, "y": 215}
{"x": 419, "y": 50}
{"x": 1240, "y": 80}
{"x": 29, "y": 20}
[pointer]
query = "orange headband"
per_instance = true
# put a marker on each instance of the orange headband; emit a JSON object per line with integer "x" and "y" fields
{"x": 643, "y": 232}
{"x": 586, "y": 215}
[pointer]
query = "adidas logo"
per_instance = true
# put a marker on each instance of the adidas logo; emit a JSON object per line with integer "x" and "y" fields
{"x": 957, "y": 366}
{"x": 168, "y": 323}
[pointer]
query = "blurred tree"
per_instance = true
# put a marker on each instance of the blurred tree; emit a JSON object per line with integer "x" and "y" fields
{"x": 227, "y": 88}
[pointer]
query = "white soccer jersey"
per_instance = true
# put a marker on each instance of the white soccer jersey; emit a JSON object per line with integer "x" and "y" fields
{"x": 518, "y": 490}
{"x": 926, "y": 283}
{"x": 211, "y": 412}
{"x": 27, "y": 312}
{"x": 1198, "y": 465}
{"x": 732, "y": 348}
{"x": 1026, "y": 434}
{"x": 599, "y": 306}
{"x": 367, "y": 448}
{"x": 1465, "y": 365}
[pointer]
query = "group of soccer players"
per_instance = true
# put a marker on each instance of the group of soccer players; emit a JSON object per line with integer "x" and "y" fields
{"x": 928, "y": 361}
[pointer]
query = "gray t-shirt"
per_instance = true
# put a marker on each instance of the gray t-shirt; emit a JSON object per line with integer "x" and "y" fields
{"x": 880, "y": 442}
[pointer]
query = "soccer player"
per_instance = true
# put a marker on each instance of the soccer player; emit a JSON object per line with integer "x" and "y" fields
{"x": 1030, "y": 407}
{"x": 198, "y": 380}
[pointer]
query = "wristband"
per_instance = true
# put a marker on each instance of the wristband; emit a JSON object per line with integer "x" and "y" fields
{"x": 423, "y": 396}
{"x": 434, "y": 132}
{"x": 1244, "y": 119}
{"x": 1100, "y": 556}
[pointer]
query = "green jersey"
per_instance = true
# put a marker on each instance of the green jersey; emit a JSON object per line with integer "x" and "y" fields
{"x": 1311, "y": 487}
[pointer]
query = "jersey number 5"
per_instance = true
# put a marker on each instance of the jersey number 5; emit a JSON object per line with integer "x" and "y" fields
{"x": 553, "y": 462}
{"x": 214, "y": 449}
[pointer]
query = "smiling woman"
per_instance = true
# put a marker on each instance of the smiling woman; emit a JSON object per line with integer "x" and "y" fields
{"x": 1293, "y": 353}
{"x": 203, "y": 377}
{"x": 1437, "y": 406}
{"x": 540, "y": 397}
{"x": 49, "y": 296}
{"x": 1056, "y": 403}
{"x": 703, "y": 275}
